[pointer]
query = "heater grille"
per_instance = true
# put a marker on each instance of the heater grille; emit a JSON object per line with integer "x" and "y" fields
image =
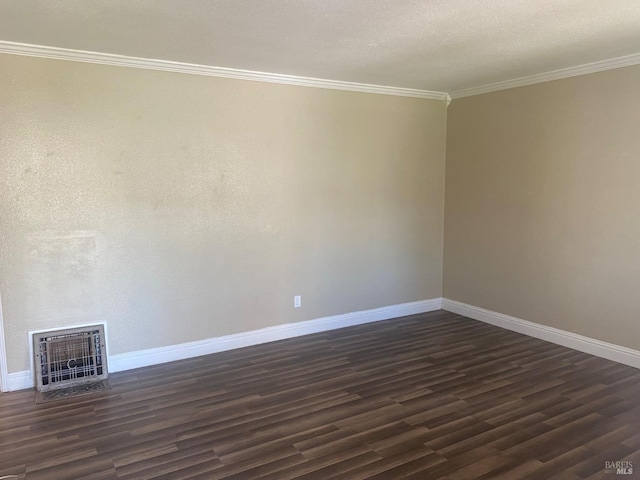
{"x": 65, "y": 358}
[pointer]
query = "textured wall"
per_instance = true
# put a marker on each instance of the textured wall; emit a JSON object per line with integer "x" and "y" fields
{"x": 542, "y": 217}
{"x": 198, "y": 207}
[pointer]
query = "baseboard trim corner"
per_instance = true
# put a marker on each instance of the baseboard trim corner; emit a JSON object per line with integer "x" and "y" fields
{"x": 599, "y": 348}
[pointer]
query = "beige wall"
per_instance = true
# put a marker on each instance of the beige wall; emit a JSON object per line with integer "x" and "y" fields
{"x": 542, "y": 216}
{"x": 198, "y": 207}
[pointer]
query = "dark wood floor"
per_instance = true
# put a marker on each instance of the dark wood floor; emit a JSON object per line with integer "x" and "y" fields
{"x": 433, "y": 396}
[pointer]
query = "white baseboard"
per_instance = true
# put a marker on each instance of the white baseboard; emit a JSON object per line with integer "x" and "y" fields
{"x": 155, "y": 356}
{"x": 610, "y": 351}
{"x": 20, "y": 380}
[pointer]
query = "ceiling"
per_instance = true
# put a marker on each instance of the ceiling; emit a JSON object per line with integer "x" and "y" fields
{"x": 436, "y": 45}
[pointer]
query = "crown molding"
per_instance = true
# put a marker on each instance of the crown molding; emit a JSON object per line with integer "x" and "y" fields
{"x": 57, "y": 53}
{"x": 594, "y": 67}
{"x": 14, "y": 48}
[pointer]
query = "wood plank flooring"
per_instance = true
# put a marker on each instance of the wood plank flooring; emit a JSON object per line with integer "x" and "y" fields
{"x": 432, "y": 396}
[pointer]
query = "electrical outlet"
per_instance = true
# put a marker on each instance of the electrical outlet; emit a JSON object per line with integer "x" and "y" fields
{"x": 297, "y": 301}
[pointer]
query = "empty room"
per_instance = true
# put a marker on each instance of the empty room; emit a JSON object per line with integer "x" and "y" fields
{"x": 279, "y": 239}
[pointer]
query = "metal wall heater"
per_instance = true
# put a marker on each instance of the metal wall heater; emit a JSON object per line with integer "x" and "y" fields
{"x": 69, "y": 357}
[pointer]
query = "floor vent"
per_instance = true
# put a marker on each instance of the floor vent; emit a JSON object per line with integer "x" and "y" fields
{"x": 65, "y": 358}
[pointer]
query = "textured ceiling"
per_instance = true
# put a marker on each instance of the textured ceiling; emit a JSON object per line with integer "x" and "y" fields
{"x": 440, "y": 45}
